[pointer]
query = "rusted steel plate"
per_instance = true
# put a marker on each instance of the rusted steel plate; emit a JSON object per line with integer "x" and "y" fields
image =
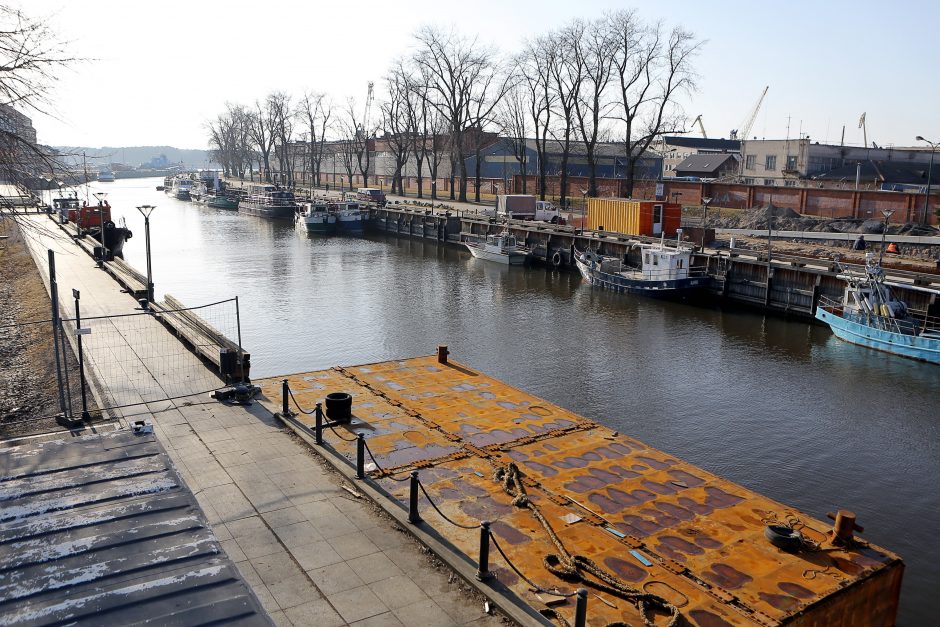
{"x": 663, "y": 528}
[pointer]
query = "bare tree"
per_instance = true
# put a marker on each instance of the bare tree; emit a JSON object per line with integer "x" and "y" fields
{"x": 459, "y": 72}
{"x": 514, "y": 124}
{"x": 260, "y": 124}
{"x": 281, "y": 118}
{"x": 567, "y": 73}
{"x": 396, "y": 119}
{"x": 594, "y": 45}
{"x": 314, "y": 110}
{"x": 653, "y": 67}
{"x": 535, "y": 69}
{"x": 31, "y": 58}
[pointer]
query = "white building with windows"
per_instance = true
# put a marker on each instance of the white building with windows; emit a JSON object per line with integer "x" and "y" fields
{"x": 787, "y": 162}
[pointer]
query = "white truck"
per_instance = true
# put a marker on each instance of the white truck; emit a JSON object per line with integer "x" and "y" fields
{"x": 525, "y": 207}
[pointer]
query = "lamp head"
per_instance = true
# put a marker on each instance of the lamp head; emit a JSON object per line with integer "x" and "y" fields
{"x": 145, "y": 210}
{"x": 920, "y": 139}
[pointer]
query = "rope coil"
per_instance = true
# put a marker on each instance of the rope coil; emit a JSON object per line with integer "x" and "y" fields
{"x": 572, "y": 568}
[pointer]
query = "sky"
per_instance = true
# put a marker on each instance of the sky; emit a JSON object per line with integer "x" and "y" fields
{"x": 156, "y": 72}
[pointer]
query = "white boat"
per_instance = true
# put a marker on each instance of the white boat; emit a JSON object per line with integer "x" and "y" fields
{"x": 501, "y": 248}
{"x": 315, "y": 217}
{"x": 105, "y": 176}
{"x": 870, "y": 315}
{"x": 665, "y": 271}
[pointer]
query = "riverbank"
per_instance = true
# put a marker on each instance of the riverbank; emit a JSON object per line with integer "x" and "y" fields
{"x": 28, "y": 396}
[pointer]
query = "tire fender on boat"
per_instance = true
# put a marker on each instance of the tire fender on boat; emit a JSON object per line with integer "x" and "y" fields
{"x": 556, "y": 259}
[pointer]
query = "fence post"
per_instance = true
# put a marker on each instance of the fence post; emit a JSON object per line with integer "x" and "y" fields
{"x": 580, "y": 608}
{"x": 413, "y": 516}
{"x": 81, "y": 354}
{"x": 483, "y": 570}
{"x": 360, "y": 456}
{"x": 285, "y": 392}
{"x": 54, "y": 289}
{"x": 318, "y": 431}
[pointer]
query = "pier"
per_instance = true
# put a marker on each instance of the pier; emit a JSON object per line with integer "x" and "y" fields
{"x": 782, "y": 283}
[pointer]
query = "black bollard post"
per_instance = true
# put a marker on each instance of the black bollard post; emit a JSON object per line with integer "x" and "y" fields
{"x": 580, "y": 608}
{"x": 319, "y": 428}
{"x": 360, "y": 456}
{"x": 413, "y": 516}
{"x": 285, "y": 407}
{"x": 483, "y": 571}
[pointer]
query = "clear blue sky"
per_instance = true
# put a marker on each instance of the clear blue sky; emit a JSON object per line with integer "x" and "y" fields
{"x": 160, "y": 69}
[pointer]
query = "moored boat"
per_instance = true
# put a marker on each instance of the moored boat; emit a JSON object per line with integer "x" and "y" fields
{"x": 95, "y": 221}
{"x": 198, "y": 193}
{"x": 869, "y": 314}
{"x": 267, "y": 201}
{"x": 500, "y": 248}
{"x": 105, "y": 176}
{"x": 315, "y": 217}
{"x": 665, "y": 271}
{"x": 223, "y": 200}
{"x": 349, "y": 218}
{"x": 181, "y": 187}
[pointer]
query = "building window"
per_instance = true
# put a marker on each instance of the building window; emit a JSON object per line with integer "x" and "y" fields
{"x": 791, "y": 163}
{"x": 750, "y": 162}
{"x": 770, "y": 163}
{"x": 769, "y": 182}
{"x": 748, "y": 181}
{"x": 789, "y": 183}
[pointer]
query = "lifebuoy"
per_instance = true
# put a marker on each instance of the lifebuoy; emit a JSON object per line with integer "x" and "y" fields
{"x": 556, "y": 259}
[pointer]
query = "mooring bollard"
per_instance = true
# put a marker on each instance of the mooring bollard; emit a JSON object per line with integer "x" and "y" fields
{"x": 360, "y": 456}
{"x": 413, "y": 516}
{"x": 483, "y": 572}
{"x": 318, "y": 431}
{"x": 285, "y": 407}
{"x": 580, "y": 608}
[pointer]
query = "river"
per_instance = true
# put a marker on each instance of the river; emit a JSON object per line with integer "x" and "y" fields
{"x": 779, "y": 406}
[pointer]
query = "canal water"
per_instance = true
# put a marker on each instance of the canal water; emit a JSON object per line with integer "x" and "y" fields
{"x": 779, "y": 406}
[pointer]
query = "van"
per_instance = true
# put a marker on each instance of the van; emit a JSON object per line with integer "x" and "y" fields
{"x": 371, "y": 194}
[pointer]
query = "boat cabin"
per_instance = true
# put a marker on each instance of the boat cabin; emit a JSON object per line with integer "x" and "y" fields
{"x": 665, "y": 264}
{"x": 502, "y": 241}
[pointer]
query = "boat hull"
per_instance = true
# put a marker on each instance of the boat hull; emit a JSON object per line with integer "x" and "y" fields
{"x": 673, "y": 288}
{"x": 911, "y": 346}
{"x": 318, "y": 226}
{"x": 276, "y": 212}
{"x": 350, "y": 224}
{"x": 223, "y": 203}
{"x": 510, "y": 259}
{"x": 181, "y": 194}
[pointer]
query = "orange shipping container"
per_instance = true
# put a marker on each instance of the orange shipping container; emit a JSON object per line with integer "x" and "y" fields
{"x": 633, "y": 217}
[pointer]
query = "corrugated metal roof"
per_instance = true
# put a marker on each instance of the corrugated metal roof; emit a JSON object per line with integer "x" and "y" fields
{"x": 101, "y": 529}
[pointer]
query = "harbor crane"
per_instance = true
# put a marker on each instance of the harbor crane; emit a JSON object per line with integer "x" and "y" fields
{"x": 370, "y": 95}
{"x": 700, "y": 126}
{"x": 745, "y": 128}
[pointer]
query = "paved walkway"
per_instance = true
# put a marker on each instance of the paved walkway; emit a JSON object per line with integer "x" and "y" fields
{"x": 312, "y": 552}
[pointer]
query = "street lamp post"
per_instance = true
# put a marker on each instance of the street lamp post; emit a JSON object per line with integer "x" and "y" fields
{"x": 884, "y": 231}
{"x": 145, "y": 210}
{"x": 933, "y": 148}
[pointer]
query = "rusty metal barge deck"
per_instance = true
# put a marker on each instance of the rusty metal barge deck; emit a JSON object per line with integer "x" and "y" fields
{"x": 578, "y": 505}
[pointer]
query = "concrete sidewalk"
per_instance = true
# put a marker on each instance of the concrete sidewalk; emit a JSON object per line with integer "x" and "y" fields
{"x": 313, "y": 553}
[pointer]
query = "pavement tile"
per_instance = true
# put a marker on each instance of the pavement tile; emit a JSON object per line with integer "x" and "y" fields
{"x": 381, "y": 620}
{"x": 316, "y": 613}
{"x": 359, "y": 603}
{"x": 275, "y": 567}
{"x": 283, "y": 517}
{"x": 280, "y": 619}
{"x": 228, "y": 502}
{"x": 398, "y": 591}
{"x": 245, "y": 526}
{"x": 225, "y": 446}
{"x": 328, "y": 520}
{"x": 386, "y": 537}
{"x": 424, "y": 613}
{"x": 298, "y": 534}
{"x": 459, "y": 606}
{"x": 315, "y": 555}
{"x": 258, "y": 544}
{"x": 234, "y": 458}
{"x": 335, "y": 578}
{"x": 374, "y": 567}
{"x": 221, "y": 532}
{"x": 293, "y": 591}
{"x": 257, "y": 586}
{"x": 233, "y": 551}
{"x": 352, "y": 545}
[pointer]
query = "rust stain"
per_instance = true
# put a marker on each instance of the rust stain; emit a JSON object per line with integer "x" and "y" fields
{"x": 702, "y": 535}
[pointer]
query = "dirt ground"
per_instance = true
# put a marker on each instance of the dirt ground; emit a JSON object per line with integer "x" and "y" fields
{"x": 28, "y": 390}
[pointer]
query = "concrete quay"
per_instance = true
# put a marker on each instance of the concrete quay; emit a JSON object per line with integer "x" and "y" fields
{"x": 312, "y": 552}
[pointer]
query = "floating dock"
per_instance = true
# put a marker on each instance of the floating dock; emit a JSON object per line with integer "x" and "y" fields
{"x": 573, "y": 504}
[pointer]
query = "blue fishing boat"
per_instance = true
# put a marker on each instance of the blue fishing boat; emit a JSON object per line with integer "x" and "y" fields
{"x": 870, "y": 315}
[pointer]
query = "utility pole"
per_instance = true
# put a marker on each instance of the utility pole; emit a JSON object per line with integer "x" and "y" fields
{"x": 54, "y": 289}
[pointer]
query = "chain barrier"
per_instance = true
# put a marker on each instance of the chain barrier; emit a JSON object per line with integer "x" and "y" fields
{"x": 443, "y": 515}
{"x": 384, "y": 472}
{"x": 535, "y": 587}
{"x": 572, "y": 567}
{"x": 297, "y": 405}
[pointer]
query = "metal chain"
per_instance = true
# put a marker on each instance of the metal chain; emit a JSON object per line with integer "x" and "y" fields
{"x": 297, "y": 405}
{"x": 384, "y": 472}
{"x": 443, "y": 515}
{"x": 572, "y": 567}
{"x": 535, "y": 587}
